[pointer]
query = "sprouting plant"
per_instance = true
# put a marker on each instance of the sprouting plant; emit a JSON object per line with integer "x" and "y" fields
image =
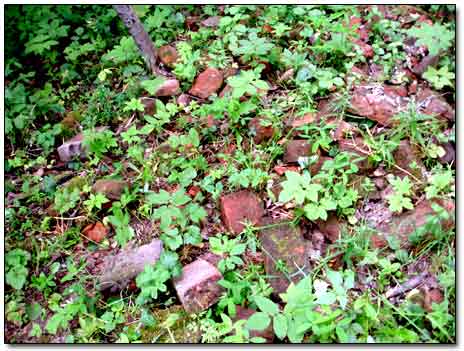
{"x": 438, "y": 183}
{"x": 178, "y": 217}
{"x": 436, "y": 37}
{"x": 229, "y": 249}
{"x": 153, "y": 278}
{"x": 120, "y": 220}
{"x": 16, "y": 271}
{"x": 439, "y": 78}
{"x": 247, "y": 82}
{"x": 401, "y": 191}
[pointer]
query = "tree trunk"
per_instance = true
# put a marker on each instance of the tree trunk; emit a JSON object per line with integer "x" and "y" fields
{"x": 141, "y": 37}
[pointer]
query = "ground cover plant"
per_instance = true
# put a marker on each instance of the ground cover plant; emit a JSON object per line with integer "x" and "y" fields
{"x": 281, "y": 174}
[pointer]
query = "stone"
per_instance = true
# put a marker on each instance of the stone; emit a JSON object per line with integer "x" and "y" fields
{"x": 331, "y": 228}
{"x": 407, "y": 157}
{"x": 212, "y": 21}
{"x": 170, "y": 87}
{"x": 198, "y": 287}
{"x": 167, "y": 55}
{"x": 366, "y": 49}
{"x": 111, "y": 188}
{"x": 300, "y": 121}
{"x": 149, "y": 105}
{"x": 377, "y": 102}
{"x": 260, "y": 133}
{"x": 287, "y": 75}
{"x": 315, "y": 168}
{"x": 240, "y": 207}
{"x": 342, "y": 130}
{"x": 280, "y": 170}
{"x": 296, "y": 149}
{"x": 406, "y": 223}
{"x": 184, "y": 100}
{"x": 431, "y": 296}
{"x": 95, "y": 232}
{"x": 207, "y": 83}
{"x": 431, "y": 103}
{"x": 74, "y": 148}
{"x": 118, "y": 270}
{"x": 285, "y": 243}
{"x": 245, "y": 314}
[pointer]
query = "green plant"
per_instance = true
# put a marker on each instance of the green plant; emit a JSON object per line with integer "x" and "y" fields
{"x": 66, "y": 199}
{"x": 120, "y": 219}
{"x": 230, "y": 251}
{"x": 437, "y": 37}
{"x": 16, "y": 271}
{"x": 153, "y": 278}
{"x": 439, "y": 182}
{"x": 401, "y": 191}
{"x": 99, "y": 142}
{"x": 95, "y": 201}
{"x": 439, "y": 78}
{"x": 326, "y": 191}
{"x": 247, "y": 82}
{"x": 175, "y": 212}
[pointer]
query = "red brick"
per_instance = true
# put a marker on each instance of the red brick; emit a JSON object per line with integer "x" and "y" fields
{"x": 240, "y": 207}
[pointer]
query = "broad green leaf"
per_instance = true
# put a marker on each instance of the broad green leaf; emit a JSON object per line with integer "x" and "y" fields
{"x": 266, "y": 305}
{"x": 258, "y": 321}
{"x": 280, "y": 326}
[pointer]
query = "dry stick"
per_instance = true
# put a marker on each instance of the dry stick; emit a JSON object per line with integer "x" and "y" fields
{"x": 141, "y": 37}
{"x": 408, "y": 173}
{"x": 408, "y": 285}
{"x": 69, "y": 218}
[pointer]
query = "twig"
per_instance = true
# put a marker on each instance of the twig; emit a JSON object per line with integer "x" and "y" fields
{"x": 408, "y": 173}
{"x": 408, "y": 285}
{"x": 69, "y": 218}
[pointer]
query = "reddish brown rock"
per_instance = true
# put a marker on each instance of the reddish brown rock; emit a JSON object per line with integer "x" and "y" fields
{"x": 315, "y": 168}
{"x": 112, "y": 189}
{"x": 300, "y": 121}
{"x": 240, "y": 207}
{"x": 367, "y": 50}
{"x": 167, "y": 55}
{"x": 408, "y": 158}
{"x": 207, "y": 83}
{"x": 149, "y": 105}
{"x": 95, "y": 232}
{"x": 118, "y": 270}
{"x": 342, "y": 129}
{"x": 431, "y": 296}
{"x": 260, "y": 133}
{"x": 378, "y": 241}
{"x": 244, "y": 314}
{"x": 450, "y": 154}
{"x": 284, "y": 243}
{"x": 376, "y": 102}
{"x": 431, "y": 103}
{"x": 169, "y": 88}
{"x": 280, "y": 170}
{"x": 406, "y": 223}
{"x": 331, "y": 228}
{"x": 296, "y": 149}
{"x": 198, "y": 286}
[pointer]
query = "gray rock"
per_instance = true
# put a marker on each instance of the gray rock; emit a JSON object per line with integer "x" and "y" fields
{"x": 120, "y": 269}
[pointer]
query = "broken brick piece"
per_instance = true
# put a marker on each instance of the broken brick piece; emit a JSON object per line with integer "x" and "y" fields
{"x": 284, "y": 245}
{"x": 111, "y": 188}
{"x": 296, "y": 149}
{"x": 207, "y": 83}
{"x": 260, "y": 132}
{"x": 197, "y": 287}
{"x": 240, "y": 207}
